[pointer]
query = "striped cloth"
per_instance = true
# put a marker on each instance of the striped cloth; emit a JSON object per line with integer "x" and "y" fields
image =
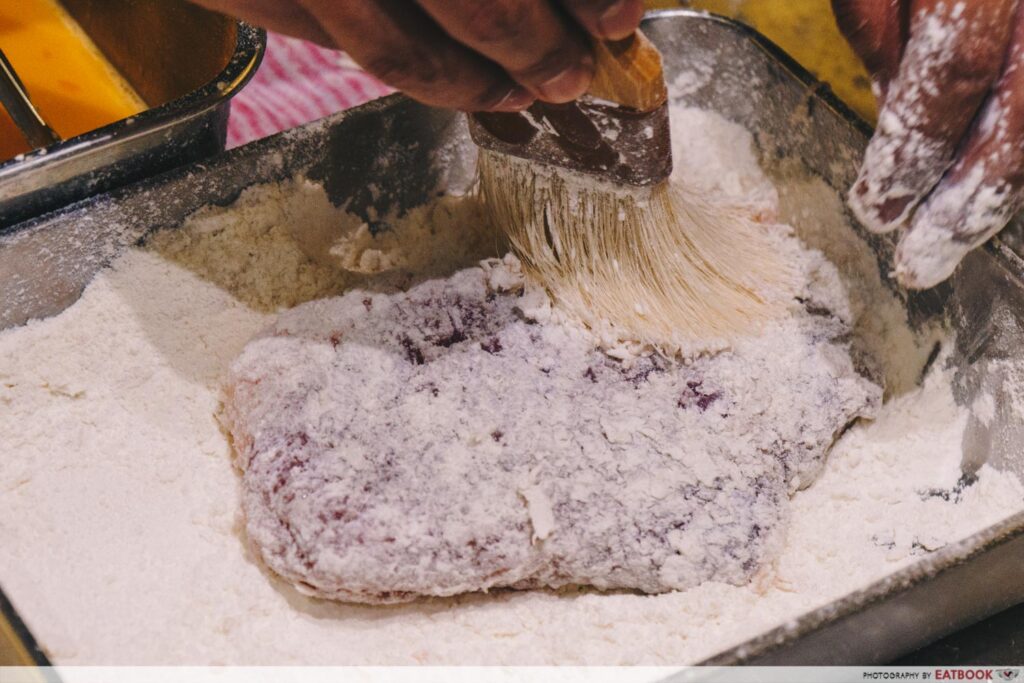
{"x": 297, "y": 82}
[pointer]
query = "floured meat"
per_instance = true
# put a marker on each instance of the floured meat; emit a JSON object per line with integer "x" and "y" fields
{"x": 442, "y": 441}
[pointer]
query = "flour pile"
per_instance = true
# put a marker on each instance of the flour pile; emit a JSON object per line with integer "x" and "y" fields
{"x": 119, "y": 506}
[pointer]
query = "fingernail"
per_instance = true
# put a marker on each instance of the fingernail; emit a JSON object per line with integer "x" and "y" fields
{"x": 567, "y": 85}
{"x": 884, "y": 194}
{"x": 902, "y": 164}
{"x": 517, "y": 99}
{"x": 861, "y": 206}
{"x": 620, "y": 19}
{"x": 878, "y": 211}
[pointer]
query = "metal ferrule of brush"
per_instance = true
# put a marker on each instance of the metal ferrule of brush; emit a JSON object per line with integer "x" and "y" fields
{"x": 619, "y": 131}
{"x": 591, "y": 136}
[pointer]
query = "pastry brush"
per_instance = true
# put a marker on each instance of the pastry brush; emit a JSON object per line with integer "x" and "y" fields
{"x": 583, "y": 192}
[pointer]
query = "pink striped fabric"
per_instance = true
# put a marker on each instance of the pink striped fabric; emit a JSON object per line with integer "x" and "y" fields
{"x": 297, "y": 82}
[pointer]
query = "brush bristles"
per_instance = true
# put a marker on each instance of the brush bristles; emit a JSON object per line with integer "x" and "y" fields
{"x": 662, "y": 267}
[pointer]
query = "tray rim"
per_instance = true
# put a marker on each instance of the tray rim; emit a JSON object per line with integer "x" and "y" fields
{"x": 250, "y": 47}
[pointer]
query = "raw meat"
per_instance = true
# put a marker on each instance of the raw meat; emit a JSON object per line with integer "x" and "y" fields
{"x": 441, "y": 441}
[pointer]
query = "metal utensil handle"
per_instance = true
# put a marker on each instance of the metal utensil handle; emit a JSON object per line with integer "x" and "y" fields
{"x": 15, "y": 100}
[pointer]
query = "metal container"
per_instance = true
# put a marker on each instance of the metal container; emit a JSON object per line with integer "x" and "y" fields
{"x": 185, "y": 62}
{"x": 395, "y": 153}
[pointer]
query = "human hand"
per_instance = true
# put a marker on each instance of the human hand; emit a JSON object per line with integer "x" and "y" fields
{"x": 473, "y": 55}
{"x": 947, "y": 158}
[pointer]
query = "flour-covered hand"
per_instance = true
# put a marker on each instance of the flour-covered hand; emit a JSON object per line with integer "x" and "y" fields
{"x": 497, "y": 55}
{"x": 947, "y": 159}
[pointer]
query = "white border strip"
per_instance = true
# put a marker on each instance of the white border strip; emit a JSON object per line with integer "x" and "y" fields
{"x": 483, "y": 674}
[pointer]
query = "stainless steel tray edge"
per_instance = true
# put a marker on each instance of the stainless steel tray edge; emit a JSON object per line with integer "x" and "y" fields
{"x": 47, "y": 261}
{"x": 181, "y": 131}
{"x": 950, "y": 589}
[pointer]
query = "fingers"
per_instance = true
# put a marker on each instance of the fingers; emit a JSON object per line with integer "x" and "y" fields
{"x": 877, "y": 31}
{"x": 531, "y": 40}
{"x": 284, "y": 17}
{"x": 475, "y": 55}
{"x": 399, "y": 44}
{"x": 537, "y": 43}
{"x": 953, "y": 56}
{"x": 607, "y": 19}
{"x": 981, "y": 192}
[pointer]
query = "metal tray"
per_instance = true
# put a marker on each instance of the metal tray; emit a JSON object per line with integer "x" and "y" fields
{"x": 185, "y": 62}
{"x": 46, "y": 262}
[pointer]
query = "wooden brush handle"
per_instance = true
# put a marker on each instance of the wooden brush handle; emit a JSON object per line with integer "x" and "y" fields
{"x": 629, "y": 73}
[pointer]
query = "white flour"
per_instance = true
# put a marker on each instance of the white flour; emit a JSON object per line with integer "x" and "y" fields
{"x": 119, "y": 507}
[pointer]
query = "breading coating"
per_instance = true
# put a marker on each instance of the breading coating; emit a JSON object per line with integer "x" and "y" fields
{"x": 442, "y": 441}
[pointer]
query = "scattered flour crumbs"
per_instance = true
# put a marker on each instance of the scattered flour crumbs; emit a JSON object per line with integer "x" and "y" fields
{"x": 119, "y": 507}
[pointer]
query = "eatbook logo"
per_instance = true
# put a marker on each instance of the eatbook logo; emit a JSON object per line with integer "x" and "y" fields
{"x": 1008, "y": 674}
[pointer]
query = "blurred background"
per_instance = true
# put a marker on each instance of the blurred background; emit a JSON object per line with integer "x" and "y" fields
{"x": 806, "y": 30}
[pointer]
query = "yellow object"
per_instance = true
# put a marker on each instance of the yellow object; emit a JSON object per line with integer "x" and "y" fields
{"x": 806, "y": 29}
{"x": 73, "y": 86}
